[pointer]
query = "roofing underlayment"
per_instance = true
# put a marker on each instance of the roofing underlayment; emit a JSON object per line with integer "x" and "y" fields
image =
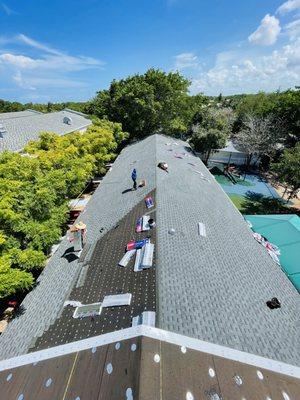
{"x": 143, "y": 364}
{"x": 18, "y": 128}
{"x": 213, "y": 287}
{"x": 284, "y": 232}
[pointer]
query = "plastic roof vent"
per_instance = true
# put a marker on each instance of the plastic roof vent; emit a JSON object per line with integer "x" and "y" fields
{"x": 67, "y": 120}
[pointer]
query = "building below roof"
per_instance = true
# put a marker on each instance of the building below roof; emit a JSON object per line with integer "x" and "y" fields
{"x": 231, "y": 154}
{"x": 145, "y": 363}
{"x": 18, "y": 128}
{"x": 284, "y": 231}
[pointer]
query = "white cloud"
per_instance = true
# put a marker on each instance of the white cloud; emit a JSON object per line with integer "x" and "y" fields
{"x": 292, "y": 29}
{"x": 288, "y": 6}
{"x": 37, "y": 45}
{"x": 47, "y": 70}
{"x": 186, "y": 60}
{"x": 244, "y": 72}
{"x": 49, "y": 58}
{"x": 8, "y": 11}
{"x": 32, "y": 83}
{"x": 18, "y": 61}
{"x": 267, "y": 32}
{"x": 18, "y": 79}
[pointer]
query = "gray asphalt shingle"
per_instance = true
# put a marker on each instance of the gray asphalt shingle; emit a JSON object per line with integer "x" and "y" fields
{"x": 215, "y": 288}
{"x": 24, "y": 126}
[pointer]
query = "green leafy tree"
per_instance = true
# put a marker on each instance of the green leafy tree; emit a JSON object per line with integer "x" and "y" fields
{"x": 13, "y": 280}
{"x": 287, "y": 170}
{"x": 145, "y": 104}
{"x": 206, "y": 140}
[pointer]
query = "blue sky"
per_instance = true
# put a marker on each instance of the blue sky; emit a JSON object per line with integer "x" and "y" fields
{"x": 67, "y": 50}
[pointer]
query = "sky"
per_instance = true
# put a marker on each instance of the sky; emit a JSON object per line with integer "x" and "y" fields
{"x": 67, "y": 50}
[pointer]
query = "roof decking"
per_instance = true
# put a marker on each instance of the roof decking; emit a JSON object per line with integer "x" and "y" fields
{"x": 145, "y": 364}
{"x": 104, "y": 277}
{"x": 213, "y": 288}
{"x": 23, "y": 126}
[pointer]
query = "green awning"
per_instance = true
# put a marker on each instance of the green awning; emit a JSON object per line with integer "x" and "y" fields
{"x": 284, "y": 231}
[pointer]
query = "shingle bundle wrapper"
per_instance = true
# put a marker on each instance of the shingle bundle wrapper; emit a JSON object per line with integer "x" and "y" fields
{"x": 149, "y": 202}
{"x": 139, "y": 224}
{"x": 144, "y": 257}
{"x": 127, "y": 257}
{"x": 136, "y": 245}
{"x": 142, "y": 224}
{"x": 146, "y": 318}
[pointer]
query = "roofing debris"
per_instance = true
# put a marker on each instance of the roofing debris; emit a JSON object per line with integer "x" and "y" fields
{"x": 164, "y": 166}
{"x": 271, "y": 248}
{"x": 126, "y": 258}
{"x": 115, "y": 300}
{"x": 201, "y": 229}
{"x": 146, "y": 318}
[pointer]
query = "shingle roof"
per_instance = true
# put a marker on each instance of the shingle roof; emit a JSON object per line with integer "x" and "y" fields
{"x": 213, "y": 288}
{"x": 142, "y": 363}
{"x": 24, "y": 126}
{"x": 216, "y": 287}
{"x": 18, "y": 114}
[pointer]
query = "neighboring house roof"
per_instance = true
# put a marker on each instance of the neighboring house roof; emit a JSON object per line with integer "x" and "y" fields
{"x": 212, "y": 287}
{"x": 18, "y": 114}
{"x": 146, "y": 363}
{"x": 284, "y": 232}
{"x": 18, "y": 129}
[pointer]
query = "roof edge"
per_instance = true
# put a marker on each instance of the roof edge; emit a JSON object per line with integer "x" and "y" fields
{"x": 158, "y": 334}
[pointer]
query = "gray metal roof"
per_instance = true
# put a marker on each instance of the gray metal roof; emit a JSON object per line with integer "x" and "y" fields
{"x": 213, "y": 288}
{"x": 24, "y": 126}
{"x": 18, "y": 114}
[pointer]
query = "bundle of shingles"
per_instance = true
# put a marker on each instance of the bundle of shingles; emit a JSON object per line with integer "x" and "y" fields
{"x": 142, "y": 224}
{"x": 143, "y": 251}
{"x": 144, "y": 257}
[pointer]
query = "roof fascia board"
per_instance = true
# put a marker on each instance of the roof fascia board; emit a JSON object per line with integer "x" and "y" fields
{"x": 158, "y": 334}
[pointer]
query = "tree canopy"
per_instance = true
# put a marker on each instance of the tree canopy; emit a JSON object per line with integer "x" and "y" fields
{"x": 287, "y": 169}
{"x": 145, "y": 104}
{"x": 210, "y": 131}
{"x": 35, "y": 187}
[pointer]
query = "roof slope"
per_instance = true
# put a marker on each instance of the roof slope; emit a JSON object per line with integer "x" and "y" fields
{"x": 18, "y": 114}
{"x": 107, "y": 206}
{"x": 21, "y": 129}
{"x": 145, "y": 364}
{"x": 213, "y": 288}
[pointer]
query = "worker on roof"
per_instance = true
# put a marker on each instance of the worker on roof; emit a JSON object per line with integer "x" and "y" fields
{"x": 133, "y": 177}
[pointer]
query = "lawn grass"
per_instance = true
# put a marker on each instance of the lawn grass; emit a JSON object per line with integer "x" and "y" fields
{"x": 237, "y": 200}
